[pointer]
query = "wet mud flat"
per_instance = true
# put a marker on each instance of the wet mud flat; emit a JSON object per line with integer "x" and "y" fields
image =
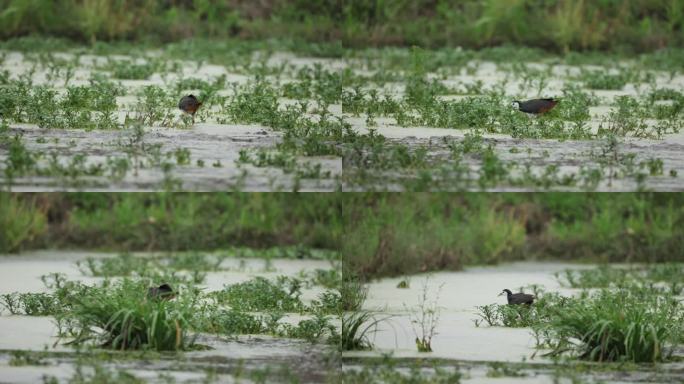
{"x": 110, "y": 122}
{"x": 30, "y": 346}
{"x": 464, "y": 344}
{"x": 531, "y": 164}
{"x": 241, "y": 359}
{"x": 450, "y": 124}
{"x": 215, "y": 147}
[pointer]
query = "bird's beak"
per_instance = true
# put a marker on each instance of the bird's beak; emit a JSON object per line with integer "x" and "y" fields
{"x": 500, "y": 294}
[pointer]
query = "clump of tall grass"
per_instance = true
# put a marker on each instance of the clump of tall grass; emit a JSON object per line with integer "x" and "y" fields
{"x": 357, "y": 327}
{"x": 121, "y": 316}
{"x": 353, "y": 294}
{"x": 615, "y": 326}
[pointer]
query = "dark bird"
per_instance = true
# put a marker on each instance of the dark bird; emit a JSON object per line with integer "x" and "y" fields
{"x": 189, "y": 104}
{"x": 517, "y": 298}
{"x": 162, "y": 292}
{"x": 536, "y": 106}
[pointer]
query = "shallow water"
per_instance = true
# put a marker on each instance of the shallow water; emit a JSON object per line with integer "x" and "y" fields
{"x": 459, "y": 294}
{"x": 459, "y": 342}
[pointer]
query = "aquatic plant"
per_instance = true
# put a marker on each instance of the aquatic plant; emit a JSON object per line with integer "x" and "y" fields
{"x": 615, "y": 326}
{"x": 424, "y": 318}
{"x": 260, "y": 294}
{"x": 357, "y": 328}
{"x": 120, "y": 316}
{"x": 353, "y": 293}
{"x": 231, "y": 322}
{"x": 600, "y": 277}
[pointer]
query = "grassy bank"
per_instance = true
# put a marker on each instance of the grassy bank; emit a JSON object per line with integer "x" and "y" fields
{"x": 167, "y": 221}
{"x": 379, "y": 234}
{"x": 169, "y": 21}
{"x": 563, "y": 25}
{"x": 389, "y": 235}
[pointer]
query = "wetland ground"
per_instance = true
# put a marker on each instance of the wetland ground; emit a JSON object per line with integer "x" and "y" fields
{"x": 239, "y": 315}
{"x": 448, "y": 124}
{"x": 85, "y": 120}
{"x": 105, "y": 118}
{"x": 477, "y": 338}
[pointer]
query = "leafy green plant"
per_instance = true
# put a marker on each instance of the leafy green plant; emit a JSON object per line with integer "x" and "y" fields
{"x": 121, "y": 316}
{"x": 261, "y": 294}
{"x": 357, "y": 328}
{"x": 615, "y": 326}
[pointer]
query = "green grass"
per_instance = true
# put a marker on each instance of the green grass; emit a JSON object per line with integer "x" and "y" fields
{"x": 20, "y": 222}
{"x": 421, "y": 232}
{"x": 615, "y": 326}
{"x": 580, "y": 25}
{"x": 626, "y": 317}
{"x": 120, "y": 316}
{"x": 357, "y": 330}
{"x": 93, "y": 21}
{"x": 665, "y": 277}
{"x": 394, "y": 235}
{"x": 177, "y": 222}
{"x": 627, "y": 26}
{"x": 261, "y": 294}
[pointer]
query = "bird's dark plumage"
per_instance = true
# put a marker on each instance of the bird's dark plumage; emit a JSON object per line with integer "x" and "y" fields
{"x": 518, "y": 298}
{"x": 536, "y": 106}
{"x": 189, "y": 104}
{"x": 163, "y": 292}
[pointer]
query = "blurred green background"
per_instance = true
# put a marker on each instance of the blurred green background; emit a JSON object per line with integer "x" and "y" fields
{"x": 379, "y": 234}
{"x": 167, "y": 221}
{"x": 171, "y": 20}
{"x": 555, "y": 25}
{"x": 396, "y": 234}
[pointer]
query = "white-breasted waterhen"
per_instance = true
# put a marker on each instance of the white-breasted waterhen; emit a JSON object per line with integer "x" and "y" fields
{"x": 535, "y": 106}
{"x": 162, "y": 292}
{"x": 189, "y": 104}
{"x": 517, "y": 298}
